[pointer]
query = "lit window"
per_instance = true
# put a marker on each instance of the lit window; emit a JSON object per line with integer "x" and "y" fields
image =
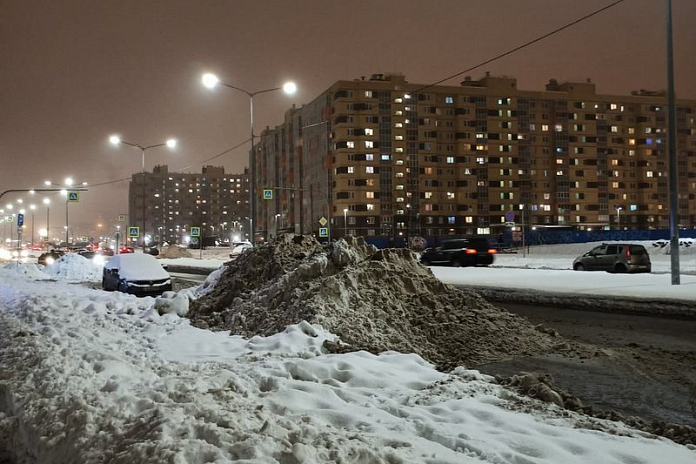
{"x": 350, "y": 144}
{"x": 451, "y": 219}
{"x": 469, "y": 219}
{"x": 370, "y": 207}
{"x": 369, "y": 131}
{"x": 369, "y": 169}
{"x": 450, "y": 159}
{"x": 398, "y": 100}
{"x": 369, "y": 195}
{"x": 368, "y": 93}
{"x": 559, "y": 127}
{"x": 428, "y": 195}
{"x": 480, "y": 160}
{"x": 399, "y": 187}
{"x": 351, "y": 169}
{"x": 613, "y": 106}
{"x": 398, "y": 113}
{"x": 545, "y": 127}
{"x": 399, "y": 150}
{"x": 386, "y": 157}
{"x": 369, "y": 144}
{"x": 398, "y": 137}
{"x": 615, "y": 185}
{"x": 449, "y": 100}
{"x": 614, "y": 129}
{"x": 407, "y": 96}
{"x": 369, "y": 157}
{"x": 398, "y": 125}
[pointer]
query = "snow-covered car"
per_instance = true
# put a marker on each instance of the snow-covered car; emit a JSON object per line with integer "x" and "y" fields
{"x": 49, "y": 257}
{"x": 136, "y": 273}
{"x": 239, "y": 248}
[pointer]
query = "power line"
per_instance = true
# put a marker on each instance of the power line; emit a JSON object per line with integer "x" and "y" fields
{"x": 525, "y": 45}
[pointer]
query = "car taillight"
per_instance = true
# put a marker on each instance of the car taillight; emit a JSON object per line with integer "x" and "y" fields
{"x": 492, "y": 251}
{"x": 628, "y": 253}
{"x": 470, "y": 251}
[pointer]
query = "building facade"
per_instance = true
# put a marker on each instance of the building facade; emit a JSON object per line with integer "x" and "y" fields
{"x": 381, "y": 157}
{"x": 165, "y": 205}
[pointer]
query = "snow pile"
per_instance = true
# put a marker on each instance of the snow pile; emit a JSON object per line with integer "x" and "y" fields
{"x": 174, "y": 252}
{"x": 31, "y": 271}
{"x": 374, "y": 300}
{"x": 75, "y": 268}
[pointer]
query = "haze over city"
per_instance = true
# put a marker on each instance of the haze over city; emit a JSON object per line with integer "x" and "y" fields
{"x": 75, "y": 72}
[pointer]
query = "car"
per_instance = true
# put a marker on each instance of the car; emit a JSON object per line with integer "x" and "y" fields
{"x": 472, "y": 251}
{"x": 614, "y": 257}
{"x": 136, "y": 273}
{"x": 46, "y": 259}
{"x": 126, "y": 249}
{"x": 239, "y": 248}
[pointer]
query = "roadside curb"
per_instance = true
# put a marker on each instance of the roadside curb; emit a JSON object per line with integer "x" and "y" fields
{"x": 655, "y": 307}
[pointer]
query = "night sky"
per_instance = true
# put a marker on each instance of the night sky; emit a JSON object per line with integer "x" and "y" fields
{"x": 73, "y": 72}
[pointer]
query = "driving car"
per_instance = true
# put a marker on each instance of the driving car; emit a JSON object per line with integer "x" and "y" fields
{"x": 49, "y": 257}
{"x": 614, "y": 257}
{"x": 472, "y": 251}
{"x": 136, "y": 273}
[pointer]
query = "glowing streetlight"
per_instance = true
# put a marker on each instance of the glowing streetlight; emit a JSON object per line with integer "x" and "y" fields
{"x": 116, "y": 140}
{"x": 345, "y": 222}
{"x": 211, "y": 81}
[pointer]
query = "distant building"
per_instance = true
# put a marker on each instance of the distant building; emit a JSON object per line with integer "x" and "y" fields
{"x": 381, "y": 157}
{"x": 170, "y": 203}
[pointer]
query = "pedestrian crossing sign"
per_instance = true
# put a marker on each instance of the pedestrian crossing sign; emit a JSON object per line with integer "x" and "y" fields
{"x": 74, "y": 197}
{"x": 323, "y": 232}
{"x": 195, "y": 231}
{"x": 133, "y": 232}
{"x": 267, "y": 194}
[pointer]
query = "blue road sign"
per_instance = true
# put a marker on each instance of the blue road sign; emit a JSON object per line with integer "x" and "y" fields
{"x": 323, "y": 232}
{"x": 74, "y": 196}
{"x": 20, "y": 220}
{"x": 195, "y": 232}
{"x": 133, "y": 232}
{"x": 268, "y": 194}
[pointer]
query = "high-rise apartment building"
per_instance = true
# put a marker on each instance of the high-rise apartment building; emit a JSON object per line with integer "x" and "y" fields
{"x": 167, "y": 204}
{"x": 381, "y": 157}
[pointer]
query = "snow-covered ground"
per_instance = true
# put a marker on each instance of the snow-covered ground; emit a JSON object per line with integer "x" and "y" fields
{"x": 92, "y": 377}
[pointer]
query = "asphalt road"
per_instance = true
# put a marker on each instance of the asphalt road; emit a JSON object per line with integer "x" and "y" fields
{"x": 645, "y": 367}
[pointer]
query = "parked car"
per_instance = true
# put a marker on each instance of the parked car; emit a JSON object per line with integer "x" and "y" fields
{"x": 136, "y": 273}
{"x": 126, "y": 249}
{"x": 239, "y": 248}
{"x": 49, "y": 257}
{"x": 614, "y": 257}
{"x": 473, "y": 251}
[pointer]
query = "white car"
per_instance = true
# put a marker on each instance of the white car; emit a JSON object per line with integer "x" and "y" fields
{"x": 239, "y": 248}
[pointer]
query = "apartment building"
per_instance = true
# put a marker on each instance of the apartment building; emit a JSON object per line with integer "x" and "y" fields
{"x": 382, "y": 157}
{"x": 167, "y": 204}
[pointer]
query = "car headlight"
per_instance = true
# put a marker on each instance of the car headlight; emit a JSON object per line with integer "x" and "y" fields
{"x": 98, "y": 259}
{"x": 5, "y": 254}
{"x": 50, "y": 261}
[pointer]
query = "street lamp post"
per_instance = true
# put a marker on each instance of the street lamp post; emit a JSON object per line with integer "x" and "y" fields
{"x": 32, "y": 208}
{"x": 345, "y": 222}
{"x": 47, "y": 201}
{"x": 210, "y": 81}
{"x": 68, "y": 183}
{"x": 116, "y": 140}
{"x": 618, "y": 217}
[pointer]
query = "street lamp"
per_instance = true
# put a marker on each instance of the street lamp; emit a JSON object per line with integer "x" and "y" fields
{"x": 32, "y": 208}
{"x": 345, "y": 221}
{"x": 116, "y": 140}
{"x": 211, "y": 81}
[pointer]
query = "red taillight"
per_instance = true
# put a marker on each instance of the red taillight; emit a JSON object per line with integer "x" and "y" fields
{"x": 492, "y": 251}
{"x": 628, "y": 253}
{"x": 470, "y": 251}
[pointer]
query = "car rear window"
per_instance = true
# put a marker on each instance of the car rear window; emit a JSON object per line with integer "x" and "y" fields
{"x": 638, "y": 250}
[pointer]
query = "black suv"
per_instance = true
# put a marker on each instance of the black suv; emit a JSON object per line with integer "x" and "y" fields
{"x": 614, "y": 257}
{"x": 475, "y": 251}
